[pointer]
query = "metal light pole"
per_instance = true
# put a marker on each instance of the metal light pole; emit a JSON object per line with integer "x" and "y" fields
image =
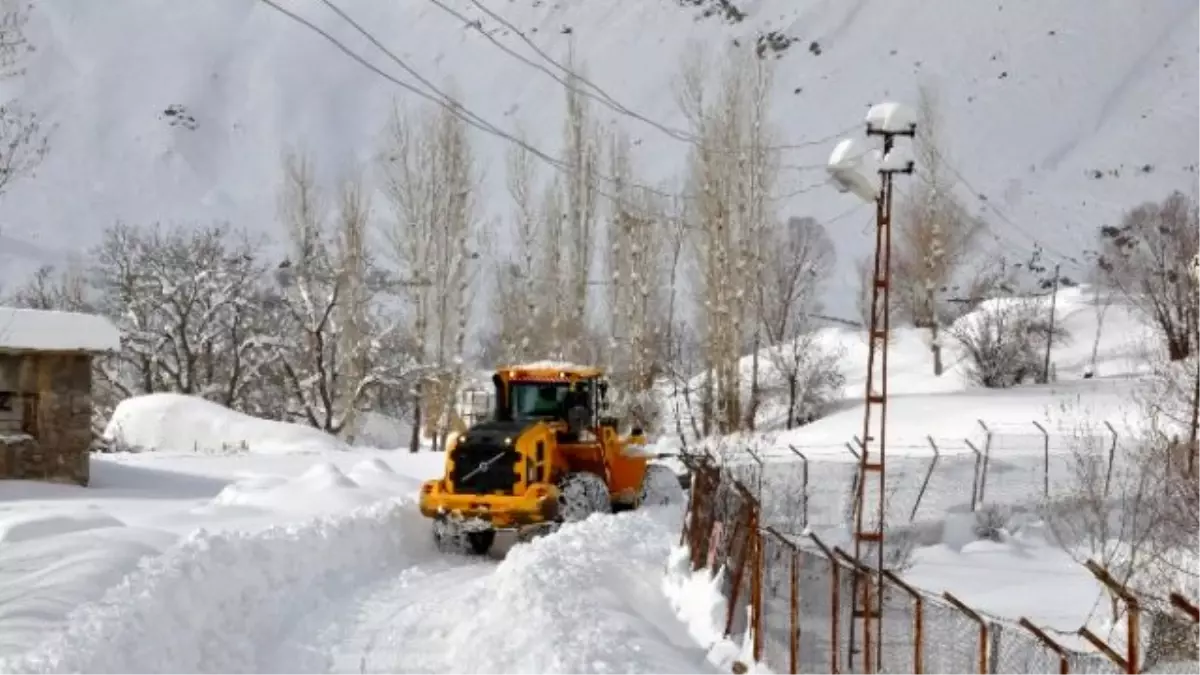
{"x": 849, "y": 170}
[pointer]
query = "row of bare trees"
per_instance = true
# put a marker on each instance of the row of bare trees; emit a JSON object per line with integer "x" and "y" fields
{"x": 603, "y": 263}
{"x": 672, "y": 285}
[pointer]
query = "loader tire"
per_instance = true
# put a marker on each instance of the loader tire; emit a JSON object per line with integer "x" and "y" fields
{"x": 660, "y": 487}
{"x": 481, "y": 541}
{"x": 449, "y": 537}
{"x": 580, "y": 494}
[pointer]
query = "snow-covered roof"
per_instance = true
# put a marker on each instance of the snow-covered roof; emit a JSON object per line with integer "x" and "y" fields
{"x": 550, "y": 365}
{"x": 43, "y": 330}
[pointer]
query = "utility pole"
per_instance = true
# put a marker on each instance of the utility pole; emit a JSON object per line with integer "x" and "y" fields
{"x": 1050, "y": 333}
{"x": 872, "y": 181}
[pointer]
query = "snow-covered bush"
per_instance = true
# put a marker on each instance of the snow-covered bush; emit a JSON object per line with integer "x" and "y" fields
{"x": 991, "y": 522}
{"x": 1005, "y": 341}
{"x": 811, "y": 379}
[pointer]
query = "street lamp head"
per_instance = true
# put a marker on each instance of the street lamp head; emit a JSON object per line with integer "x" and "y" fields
{"x": 891, "y": 118}
{"x": 898, "y": 159}
{"x": 854, "y": 167}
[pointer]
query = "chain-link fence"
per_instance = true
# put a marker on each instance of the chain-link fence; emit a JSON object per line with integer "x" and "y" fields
{"x": 797, "y": 600}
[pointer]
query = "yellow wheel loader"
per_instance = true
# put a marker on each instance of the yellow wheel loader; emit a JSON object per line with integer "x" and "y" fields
{"x": 546, "y": 456}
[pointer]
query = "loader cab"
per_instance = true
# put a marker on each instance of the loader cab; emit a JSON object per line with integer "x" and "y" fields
{"x": 573, "y": 397}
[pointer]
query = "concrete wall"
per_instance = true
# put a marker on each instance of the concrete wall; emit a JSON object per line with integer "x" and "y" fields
{"x": 59, "y": 389}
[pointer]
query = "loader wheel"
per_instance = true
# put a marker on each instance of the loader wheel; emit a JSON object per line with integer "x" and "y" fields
{"x": 581, "y": 494}
{"x": 481, "y": 541}
{"x": 448, "y": 537}
{"x": 660, "y": 487}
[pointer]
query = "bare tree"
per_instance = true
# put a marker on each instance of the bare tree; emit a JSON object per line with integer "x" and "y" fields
{"x": 1102, "y": 299}
{"x": 637, "y": 290}
{"x": 186, "y": 299}
{"x": 332, "y": 352}
{"x": 52, "y": 289}
{"x": 1107, "y": 511}
{"x": 1149, "y": 259}
{"x": 23, "y": 144}
{"x": 582, "y": 154}
{"x": 431, "y": 182}
{"x": 1005, "y": 342}
{"x": 732, "y": 172}
{"x": 934, "y": 234}
{"x": 519, "y": 313}
{"x": 797, "y": 259}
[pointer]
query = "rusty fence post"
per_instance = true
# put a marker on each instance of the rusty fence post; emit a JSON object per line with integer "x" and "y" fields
{"x": 747, "y": 527}
{"x": 804, "y": 483}
{"x": 918, "y": 625}
{"x": 1112, "y": 455}
{"x": 1182, "y": 604}
{"x": 1104, "y": 648}
{"x": 975, "y": 482}
{"x": 835, "y": 585}
{"x": 983, "y": 628}
{"x": 703, "y": 515}
{"x": 871, "y": 651}
{"x": 928, "y": 475}
{"x": 793, "y": 596}
{"x": 987, "y": 452}
{"x": 794, "y": 614}
{"x": 1045, "y": 459}
{"x": 756, "y": 593}
{"x": 1133, "y": 613}
{"x": 688, "y": 509}
{"x": 1064, "y": 664}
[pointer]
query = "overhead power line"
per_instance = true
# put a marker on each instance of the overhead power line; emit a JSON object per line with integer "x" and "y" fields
{"x": 600, "y": 95}
{"x": 444, "y": 100}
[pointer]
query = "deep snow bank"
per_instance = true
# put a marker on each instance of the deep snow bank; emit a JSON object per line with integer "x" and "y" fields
{"x": 588, "y": 598}
{"x": 42, "y": 579}
{"x": 217, "y": 602}
{"x": 187, "y": 423}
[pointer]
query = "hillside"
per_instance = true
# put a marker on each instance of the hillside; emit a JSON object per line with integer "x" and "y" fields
{"x": 1061, "y": 114}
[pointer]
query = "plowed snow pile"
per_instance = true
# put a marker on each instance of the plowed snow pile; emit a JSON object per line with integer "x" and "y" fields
{"x": 210, "y": 603}
{"x": 587, "y": 599}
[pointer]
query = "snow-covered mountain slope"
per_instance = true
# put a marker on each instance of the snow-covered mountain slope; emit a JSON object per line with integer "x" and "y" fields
{"x": 1061, "y": 113}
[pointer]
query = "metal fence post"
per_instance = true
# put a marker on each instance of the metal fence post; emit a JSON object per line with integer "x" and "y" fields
{"x": 794, "y": 615}
{"x": 1045, "y": 459}
{"x": 746, "y": 527}
{"x": 1182, "y": 604}
{"x": 918, "y": 620}
{"x": 975, "y": 482}
{"x": 925, "y": 484}
{"x": 1133, "y": 610}
{"x": 1064, "y": 665}
{"x": 834, "y": 604}
{"x": 987, "y": 451}
{"x": 804, "y": 484}
{"x": 983, "y": 629}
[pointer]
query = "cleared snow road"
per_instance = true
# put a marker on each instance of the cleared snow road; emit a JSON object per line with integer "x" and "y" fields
{"x": 367, "y": 592}
{"x": 587, "y": 599}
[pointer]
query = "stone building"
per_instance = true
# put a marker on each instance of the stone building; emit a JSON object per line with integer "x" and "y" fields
{"x": 46, "y": 392}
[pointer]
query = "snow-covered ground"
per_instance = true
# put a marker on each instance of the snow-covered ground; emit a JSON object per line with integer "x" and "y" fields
{"x": 233, "y": 544}
{"x": 1062, "y": 114}
{"x": 286, "y": 556}
{"x": 1027, "y": 574}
